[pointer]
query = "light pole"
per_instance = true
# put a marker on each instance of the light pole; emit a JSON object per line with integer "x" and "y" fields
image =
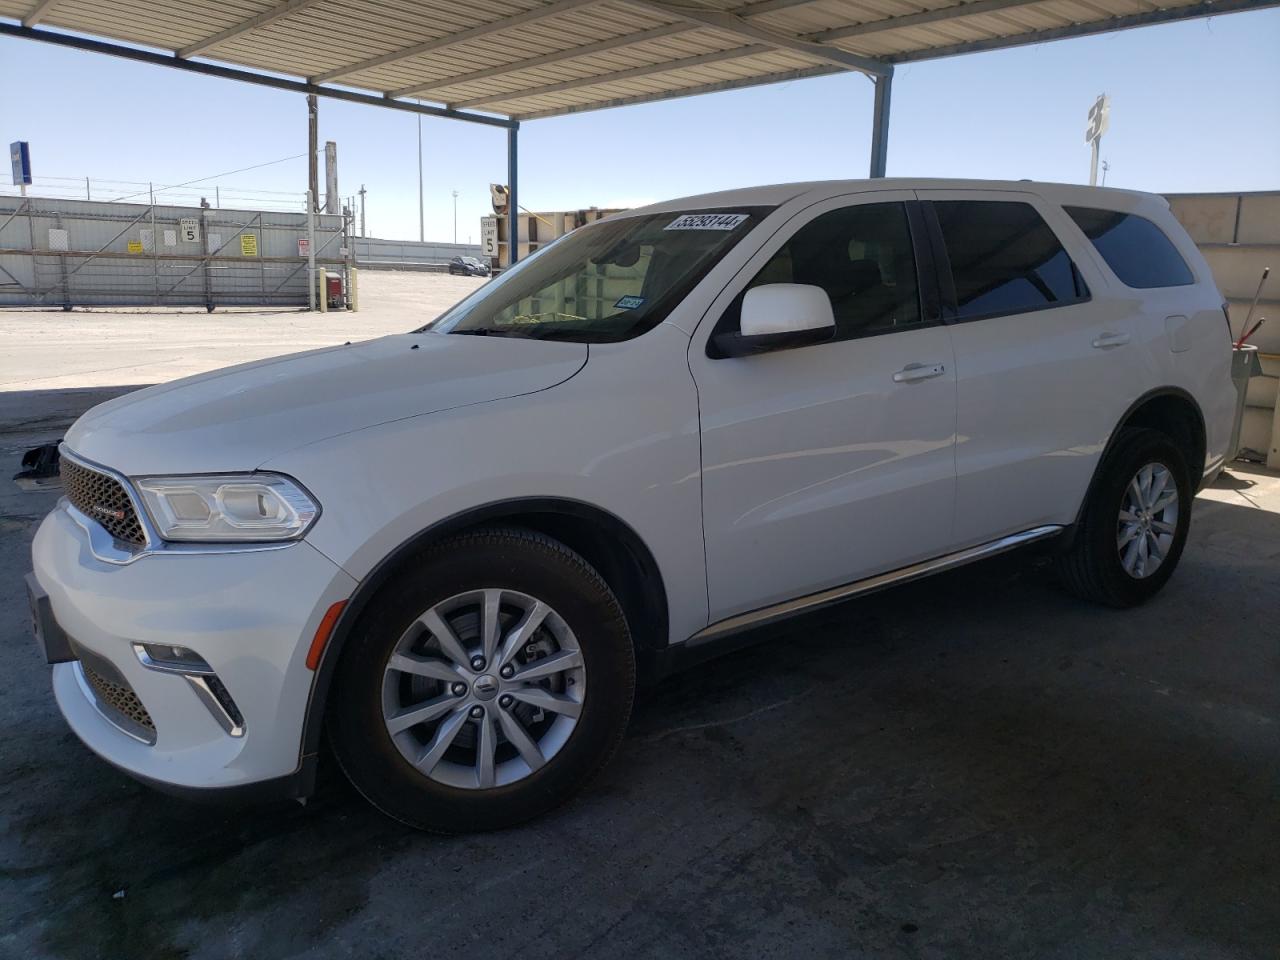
{"x": 1099, "y": 119}
{"x": 455, "y": 215}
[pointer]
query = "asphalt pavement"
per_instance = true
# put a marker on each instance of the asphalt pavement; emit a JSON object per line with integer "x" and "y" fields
{"x": 973, "y": 766}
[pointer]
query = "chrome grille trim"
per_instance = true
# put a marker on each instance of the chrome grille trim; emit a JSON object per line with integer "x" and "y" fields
{"x": 103, "y": 498}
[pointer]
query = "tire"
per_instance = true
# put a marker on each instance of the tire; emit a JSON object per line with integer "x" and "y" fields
{"x": 1096, "y": 566}
{"x": 457, "y": 579}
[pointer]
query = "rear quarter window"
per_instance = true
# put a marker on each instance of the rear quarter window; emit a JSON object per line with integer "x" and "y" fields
{"x": 1137, "y": 251}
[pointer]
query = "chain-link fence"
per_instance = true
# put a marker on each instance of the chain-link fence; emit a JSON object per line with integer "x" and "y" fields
{"x": 78, "y": 253}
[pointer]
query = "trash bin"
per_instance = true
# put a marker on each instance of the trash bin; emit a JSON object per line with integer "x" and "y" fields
{"x": 1244, "y": 364}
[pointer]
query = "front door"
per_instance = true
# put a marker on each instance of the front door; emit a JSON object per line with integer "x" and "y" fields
{"x": 832, "y": 462}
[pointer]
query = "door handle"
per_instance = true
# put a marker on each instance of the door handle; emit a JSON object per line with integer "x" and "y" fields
{"x": 919, "y": 371}
{"x": 1107, "y": 340}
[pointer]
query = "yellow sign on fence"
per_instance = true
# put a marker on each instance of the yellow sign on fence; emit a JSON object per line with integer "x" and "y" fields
{"x": 248, "y": 244}
{"x": 135, "y": 246}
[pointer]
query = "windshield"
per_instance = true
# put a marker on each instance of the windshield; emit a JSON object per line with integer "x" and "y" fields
{"x": 605, "y": 282}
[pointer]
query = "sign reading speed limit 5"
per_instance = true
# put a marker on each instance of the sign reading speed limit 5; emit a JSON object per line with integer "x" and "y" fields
{"x": 489, "y": 236}
{"x": 189, "y": 230}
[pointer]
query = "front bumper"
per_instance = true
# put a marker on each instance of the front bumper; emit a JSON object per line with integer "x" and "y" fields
{"x": 249, "y": 614}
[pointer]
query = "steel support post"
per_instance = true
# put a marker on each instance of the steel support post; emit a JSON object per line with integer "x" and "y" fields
{"x": 513, "y": 207}
{"x": 155, "y": 249}
{"x": 880, "y": 123}
{"x": 204, "y": 261}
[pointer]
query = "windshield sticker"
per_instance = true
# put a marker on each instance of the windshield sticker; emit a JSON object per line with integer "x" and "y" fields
{"x": 706, "y": 221}
{"x": 630, "y": 303}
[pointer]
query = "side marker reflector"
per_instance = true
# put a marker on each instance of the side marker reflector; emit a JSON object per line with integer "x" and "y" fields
{"x": 321, "y": 639}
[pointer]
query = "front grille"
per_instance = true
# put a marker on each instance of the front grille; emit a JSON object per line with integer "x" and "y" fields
{"x": 118, "y": 698}
{"x": 103, "y": 499}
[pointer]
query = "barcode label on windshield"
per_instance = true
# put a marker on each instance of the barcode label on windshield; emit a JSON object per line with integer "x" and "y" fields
{"x": 706, "y": 221}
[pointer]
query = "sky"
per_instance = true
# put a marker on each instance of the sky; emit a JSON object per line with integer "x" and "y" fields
{"x": 1195, "y": 106}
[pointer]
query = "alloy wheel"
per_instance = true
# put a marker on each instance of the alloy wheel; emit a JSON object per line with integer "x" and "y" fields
{"x": 1148, "y": 520}
{"x": 483, "y": 688}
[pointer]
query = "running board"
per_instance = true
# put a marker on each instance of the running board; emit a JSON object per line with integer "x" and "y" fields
{"x": 789, "y": 608}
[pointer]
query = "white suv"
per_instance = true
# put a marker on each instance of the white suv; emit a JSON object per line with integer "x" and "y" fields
{"x": 450, "y": 550}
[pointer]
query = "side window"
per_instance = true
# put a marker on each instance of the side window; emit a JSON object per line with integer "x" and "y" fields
{"x": 862, "y": 257}
{"x": 1005, "y": 258}
{"x": 1136, "y": 250}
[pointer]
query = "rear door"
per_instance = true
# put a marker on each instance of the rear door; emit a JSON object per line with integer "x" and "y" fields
{"x": 1044, "y": 370}
{"x": 828, "y": 463}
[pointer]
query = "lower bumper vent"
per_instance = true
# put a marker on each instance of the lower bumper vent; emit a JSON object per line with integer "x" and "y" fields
{"x": 116, "y": 700}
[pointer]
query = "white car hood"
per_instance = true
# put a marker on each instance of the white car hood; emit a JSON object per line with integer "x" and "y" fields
{"x": 239, "y": 417}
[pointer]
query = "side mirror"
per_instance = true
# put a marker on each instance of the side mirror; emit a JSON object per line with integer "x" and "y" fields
{"x": 776, "y": 316}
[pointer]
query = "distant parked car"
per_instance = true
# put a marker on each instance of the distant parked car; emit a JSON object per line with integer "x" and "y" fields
{"x": 468, "y": 267}
{"x": 452, "y": 550}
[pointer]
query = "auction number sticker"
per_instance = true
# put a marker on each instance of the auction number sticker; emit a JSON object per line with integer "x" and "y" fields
{"x": 706, "y": 221}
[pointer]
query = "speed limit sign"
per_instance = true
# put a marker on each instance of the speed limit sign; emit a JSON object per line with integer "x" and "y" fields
{"x": 189, "y": 230}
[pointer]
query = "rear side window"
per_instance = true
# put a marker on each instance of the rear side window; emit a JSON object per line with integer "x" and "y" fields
{"x": 1136, "y": 250}
{"x": 1005, "y": 259}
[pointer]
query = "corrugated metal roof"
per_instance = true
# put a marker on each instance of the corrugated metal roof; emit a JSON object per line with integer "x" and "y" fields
{"x": 534, "y": 58}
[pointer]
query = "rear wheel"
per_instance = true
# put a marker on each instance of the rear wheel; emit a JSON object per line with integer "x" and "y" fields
{"x": 487, "y": 684}
{"x": 1135, "y": 523}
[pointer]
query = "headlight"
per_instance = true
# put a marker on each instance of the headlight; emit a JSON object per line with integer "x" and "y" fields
{"x": 251, "y": 507}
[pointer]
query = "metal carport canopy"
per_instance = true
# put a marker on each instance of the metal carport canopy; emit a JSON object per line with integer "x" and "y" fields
{"x": 503, "y": 61}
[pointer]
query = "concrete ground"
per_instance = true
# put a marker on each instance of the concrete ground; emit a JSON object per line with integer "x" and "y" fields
{"x": 53, "y": 350}
{"x": 973, "y": 766}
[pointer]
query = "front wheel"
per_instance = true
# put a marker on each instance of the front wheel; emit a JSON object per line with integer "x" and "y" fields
{"x": 1135, "y": 523}
{"x": 487, "y": 683}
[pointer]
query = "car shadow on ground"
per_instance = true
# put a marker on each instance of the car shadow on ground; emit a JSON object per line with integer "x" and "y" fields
{"x": 974, "y": 765}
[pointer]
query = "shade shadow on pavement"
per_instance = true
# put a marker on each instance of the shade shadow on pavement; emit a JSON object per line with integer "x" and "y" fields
{"x": 972, "y": 766}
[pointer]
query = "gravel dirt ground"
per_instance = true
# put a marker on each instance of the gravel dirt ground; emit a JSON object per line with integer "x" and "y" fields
{"x": 972, "y": 766}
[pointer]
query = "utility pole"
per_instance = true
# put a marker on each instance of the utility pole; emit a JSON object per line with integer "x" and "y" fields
{"x": 422, "y": 232}
{"x": 362, "y": 193}
{"x": 455, "y": 214}
{"x": 313, "y": 145}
